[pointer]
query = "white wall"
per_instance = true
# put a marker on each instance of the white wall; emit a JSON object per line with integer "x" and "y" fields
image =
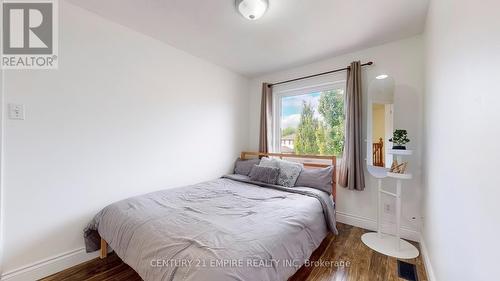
{"x": 461, "y": 177}
{"x": 123, "y": 115}
{"x": 403, "y": 60}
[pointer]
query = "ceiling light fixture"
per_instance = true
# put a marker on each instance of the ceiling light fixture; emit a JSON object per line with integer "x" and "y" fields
{"x": 252, "y": 9}
{"x": 382, "y": 76}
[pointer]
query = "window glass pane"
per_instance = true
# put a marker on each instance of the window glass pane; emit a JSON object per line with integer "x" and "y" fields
{"x": 313, "y": 123}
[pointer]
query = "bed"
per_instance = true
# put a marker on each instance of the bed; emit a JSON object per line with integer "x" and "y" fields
{"x": 231, "y": 228}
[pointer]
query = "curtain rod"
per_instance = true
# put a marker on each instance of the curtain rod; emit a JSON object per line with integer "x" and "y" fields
{"x": 314, "y": 75}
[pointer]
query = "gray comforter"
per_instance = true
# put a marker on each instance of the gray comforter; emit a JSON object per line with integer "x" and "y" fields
{"x": 225, "y": 229}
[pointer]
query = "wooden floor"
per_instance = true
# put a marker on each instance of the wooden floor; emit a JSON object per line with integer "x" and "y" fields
{"x": 364, "y": 264}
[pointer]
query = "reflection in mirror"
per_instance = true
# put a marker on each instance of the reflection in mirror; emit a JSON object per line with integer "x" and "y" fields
{"x": 380, "y": 123}
{"x": 381, "y": 133}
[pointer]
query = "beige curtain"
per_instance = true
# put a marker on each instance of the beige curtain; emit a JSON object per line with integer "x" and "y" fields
{"x": 266, "y": 107}
{"x": 351, "y": 173}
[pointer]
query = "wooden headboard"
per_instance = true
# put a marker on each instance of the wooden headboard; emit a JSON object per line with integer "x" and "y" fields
{"x": 309, "y": 161}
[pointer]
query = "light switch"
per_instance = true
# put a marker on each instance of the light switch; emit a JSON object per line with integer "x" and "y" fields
{"x": 16, "y": 111}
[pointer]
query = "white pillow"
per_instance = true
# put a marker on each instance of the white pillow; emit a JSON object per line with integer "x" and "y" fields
{"x": 268, "y": 162}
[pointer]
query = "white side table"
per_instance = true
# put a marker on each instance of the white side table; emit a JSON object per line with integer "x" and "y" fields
{"x": 390, "y": 245}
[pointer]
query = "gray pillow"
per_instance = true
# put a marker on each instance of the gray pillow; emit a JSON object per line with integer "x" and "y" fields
{"x": 316, "y": 178}
{"x": 243, "y": 167}
{"x": 289, "y": 172}
{"x": 264, "y": 174}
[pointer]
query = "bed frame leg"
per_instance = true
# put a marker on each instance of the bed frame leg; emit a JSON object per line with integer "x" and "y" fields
{"x": 104, "y": 249}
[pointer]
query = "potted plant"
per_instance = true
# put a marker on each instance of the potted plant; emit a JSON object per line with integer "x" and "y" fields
{"x": 399, "y": 139}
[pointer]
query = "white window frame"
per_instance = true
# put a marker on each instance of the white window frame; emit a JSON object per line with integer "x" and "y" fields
{"x": 277, "y": 106}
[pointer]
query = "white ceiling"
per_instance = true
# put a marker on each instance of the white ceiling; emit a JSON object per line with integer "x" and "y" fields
{"x": 291, "y": 33}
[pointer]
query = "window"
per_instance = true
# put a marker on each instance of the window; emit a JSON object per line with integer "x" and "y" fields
{"x": 309, "y": 120}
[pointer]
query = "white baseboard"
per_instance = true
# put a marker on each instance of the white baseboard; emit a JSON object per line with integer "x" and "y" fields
{"x": 427, "y": 262}
{"x": 371, "y": 224}
{"x": 49, "y": 266}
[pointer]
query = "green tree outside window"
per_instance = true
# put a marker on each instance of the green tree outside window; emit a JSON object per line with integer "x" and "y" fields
{"x": 325, "y": 135}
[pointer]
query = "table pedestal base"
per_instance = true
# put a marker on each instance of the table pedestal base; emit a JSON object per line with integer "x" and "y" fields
{"x": 388, "y": 245}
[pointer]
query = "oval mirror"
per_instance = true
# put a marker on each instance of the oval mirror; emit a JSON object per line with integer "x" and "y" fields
{"x": 380, "y": 124}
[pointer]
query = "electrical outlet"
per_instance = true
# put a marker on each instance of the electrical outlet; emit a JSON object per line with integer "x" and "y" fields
{"x": 387, "y": 208}
{"x": 16, "y": 111}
